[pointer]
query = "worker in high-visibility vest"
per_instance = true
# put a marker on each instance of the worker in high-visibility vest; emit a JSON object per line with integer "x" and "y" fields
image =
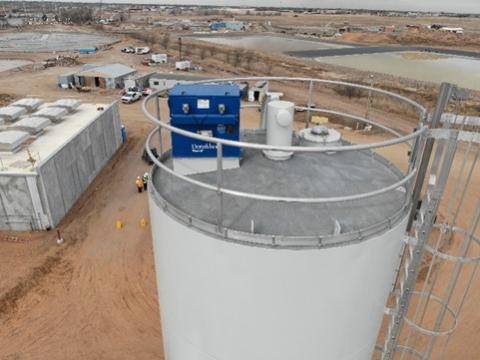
{"x": 145, "y": 181}
{"x": 139, "y": 183}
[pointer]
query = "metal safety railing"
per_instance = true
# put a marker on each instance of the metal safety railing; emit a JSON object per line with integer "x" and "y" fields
{"x": 443, "y": 243}
{"x": 406, "y": 180}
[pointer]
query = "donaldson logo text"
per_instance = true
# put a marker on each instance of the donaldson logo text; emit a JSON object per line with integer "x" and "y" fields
{"x": 200, "y": 148}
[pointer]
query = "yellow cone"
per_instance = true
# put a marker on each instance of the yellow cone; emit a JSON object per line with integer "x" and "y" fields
{"x": 143, "y": 222}
{"x": 120, "y": 224}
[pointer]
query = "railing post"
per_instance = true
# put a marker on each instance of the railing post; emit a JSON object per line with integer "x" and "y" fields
{"x": 369, "y": 100}
{"x": 219, "y": 185}
{"x": 157, "y": 107}
{"x": 309, "y": 104}
{"x": 160, "y": 146}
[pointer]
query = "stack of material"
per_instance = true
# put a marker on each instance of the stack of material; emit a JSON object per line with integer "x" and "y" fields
{"x": 32, "y": 125}
{"x": 54, "y": 114}
{"x": 11, "y": 140}
{"x": 11, "y": 113}
{"x": 31, "y": 104}
{"x": 70, "y": 104}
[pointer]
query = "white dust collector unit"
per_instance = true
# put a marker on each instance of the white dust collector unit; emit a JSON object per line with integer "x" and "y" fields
{"x": 279, "y": 128}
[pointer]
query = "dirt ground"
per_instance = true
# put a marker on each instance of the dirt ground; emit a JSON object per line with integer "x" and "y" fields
{"x": 305, "y": 23}
{"x": 94, "y": 297}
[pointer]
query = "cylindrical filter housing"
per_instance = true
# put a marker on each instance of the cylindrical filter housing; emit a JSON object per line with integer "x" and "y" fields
{"x": 279, "y": 128}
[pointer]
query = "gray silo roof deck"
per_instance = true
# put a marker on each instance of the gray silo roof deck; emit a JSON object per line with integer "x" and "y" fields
{"x": 305, "y": 175}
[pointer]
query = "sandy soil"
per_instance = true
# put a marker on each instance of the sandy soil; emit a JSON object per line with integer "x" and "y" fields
{"x": 94, "y": 297}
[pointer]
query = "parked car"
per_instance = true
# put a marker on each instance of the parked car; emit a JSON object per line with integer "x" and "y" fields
{"x": 131, "y": 97}
{"x": 128, "y": 50}
{"x": 147, "y": 91}
{"x": 142, "y": 50}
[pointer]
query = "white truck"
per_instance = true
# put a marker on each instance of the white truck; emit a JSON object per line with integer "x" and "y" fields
{"x": 159, "y": 58}
{"x": 183, "y": 65}
{"x": 131, "y": 97}
{"x": 142, "y": 50}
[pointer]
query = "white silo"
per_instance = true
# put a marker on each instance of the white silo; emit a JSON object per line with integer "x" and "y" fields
{"x": 276, "y": 260}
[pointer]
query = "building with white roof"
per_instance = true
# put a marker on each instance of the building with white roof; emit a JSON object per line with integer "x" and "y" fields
{"x": 108, "y": 76}
{"x": 45, "y": 167}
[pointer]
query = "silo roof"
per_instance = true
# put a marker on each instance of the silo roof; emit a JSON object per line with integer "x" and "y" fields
{"x": 304, "y": 175}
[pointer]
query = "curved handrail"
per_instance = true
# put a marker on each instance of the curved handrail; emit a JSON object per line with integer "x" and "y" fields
{"x": 297, "y": 149}
{"x": 236, "y": 193}
{"x": 420, "y": 108}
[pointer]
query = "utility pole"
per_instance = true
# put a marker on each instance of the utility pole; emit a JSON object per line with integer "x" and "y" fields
{"x": 179, "y": 48}
{"x": 101, "y": 9}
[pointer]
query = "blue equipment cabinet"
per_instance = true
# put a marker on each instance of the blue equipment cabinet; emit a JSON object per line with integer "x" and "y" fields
{"x": 212, "y": 109}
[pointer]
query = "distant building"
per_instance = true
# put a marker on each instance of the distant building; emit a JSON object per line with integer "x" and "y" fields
{"x": 109, "y": 76}
{"x": 454, "y": 30}
{"x": 227, "y": 25}
{"x": 183, "y": 25}
{"x": 139, "y": 81}
{"x": 237, "y": 11}
{"x": 163, "y": 81}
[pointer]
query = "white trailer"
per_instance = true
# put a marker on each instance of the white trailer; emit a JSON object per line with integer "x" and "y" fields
{"x": 183, "y": 65}
{"x": 159, "y": 58}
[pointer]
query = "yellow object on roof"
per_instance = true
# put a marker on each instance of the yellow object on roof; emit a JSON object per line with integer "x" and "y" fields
{"x": 319, "y": 120}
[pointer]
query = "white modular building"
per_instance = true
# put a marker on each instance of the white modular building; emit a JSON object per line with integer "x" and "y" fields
{"x": 163, "y": 81}
{"x": 45, "y": 166}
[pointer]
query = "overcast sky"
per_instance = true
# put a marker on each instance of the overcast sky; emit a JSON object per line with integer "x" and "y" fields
{"x": 469, "y": 6}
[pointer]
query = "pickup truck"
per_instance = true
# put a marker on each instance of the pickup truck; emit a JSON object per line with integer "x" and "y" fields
{"x": 131, "y": 97}
{"x": 142, "y": 50}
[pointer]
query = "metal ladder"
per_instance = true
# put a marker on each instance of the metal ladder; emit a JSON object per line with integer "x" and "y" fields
{"x": 420, "y": 223}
